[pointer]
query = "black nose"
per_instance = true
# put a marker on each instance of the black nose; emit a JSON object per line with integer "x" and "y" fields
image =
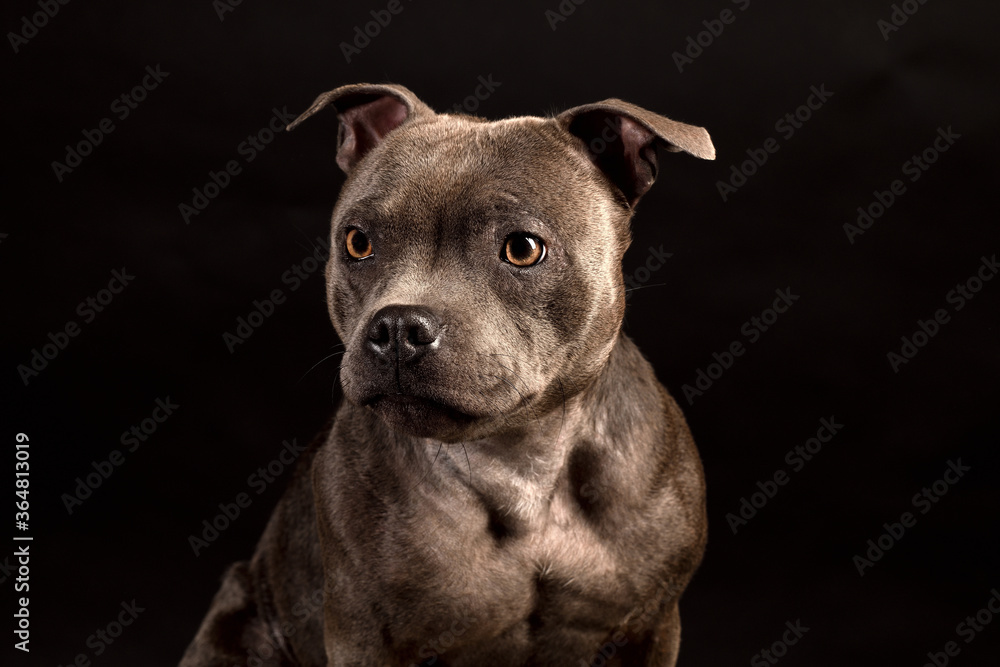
{"x": 402, "y": 333}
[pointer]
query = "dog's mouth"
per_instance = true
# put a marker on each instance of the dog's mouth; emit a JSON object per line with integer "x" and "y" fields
{"x": 417, "y": 414}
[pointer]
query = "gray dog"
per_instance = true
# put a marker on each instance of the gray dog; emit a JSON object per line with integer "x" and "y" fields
{"x": 506, "y": 483}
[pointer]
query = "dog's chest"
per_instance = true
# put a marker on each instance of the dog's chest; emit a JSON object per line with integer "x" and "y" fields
{"x": 476, "y": 580}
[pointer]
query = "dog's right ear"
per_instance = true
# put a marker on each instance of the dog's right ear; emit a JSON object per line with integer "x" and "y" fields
{"x": 621, "y": 140}
{"x": 367, "y": 113}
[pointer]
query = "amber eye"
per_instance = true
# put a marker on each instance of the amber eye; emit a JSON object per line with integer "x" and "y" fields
{"x": 523, "y": 249}
{"x": 358, "y": 245}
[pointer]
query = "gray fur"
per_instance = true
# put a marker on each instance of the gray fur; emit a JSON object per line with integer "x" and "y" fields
{"x": 516, "y": 487}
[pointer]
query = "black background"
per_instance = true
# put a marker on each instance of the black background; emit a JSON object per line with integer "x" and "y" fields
{"x": 162, "y": 336}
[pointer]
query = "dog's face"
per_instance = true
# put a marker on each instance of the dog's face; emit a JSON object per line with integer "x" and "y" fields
{"x": 475, "y": 267}
{"x": 474, "y": 273}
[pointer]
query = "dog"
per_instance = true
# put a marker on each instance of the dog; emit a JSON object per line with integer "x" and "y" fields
{"x": 506, "y": 481}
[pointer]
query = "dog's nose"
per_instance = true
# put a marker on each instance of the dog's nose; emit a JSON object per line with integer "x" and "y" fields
{"x": 402, "y": 333}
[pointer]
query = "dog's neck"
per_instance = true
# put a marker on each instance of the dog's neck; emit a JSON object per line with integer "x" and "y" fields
{"x": 516, "y": 475}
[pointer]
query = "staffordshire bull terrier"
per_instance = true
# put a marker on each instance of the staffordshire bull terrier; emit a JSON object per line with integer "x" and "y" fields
{"x": 506, "y": 481}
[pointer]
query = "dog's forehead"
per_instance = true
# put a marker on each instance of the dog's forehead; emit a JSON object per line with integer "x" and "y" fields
{"x": 524, "y": 165}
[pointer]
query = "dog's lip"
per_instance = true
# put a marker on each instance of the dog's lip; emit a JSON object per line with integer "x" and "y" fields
{"x": 410, "y": 401}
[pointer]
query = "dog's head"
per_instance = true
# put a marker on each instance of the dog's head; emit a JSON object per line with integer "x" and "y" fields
{"x": 475, "y": 267}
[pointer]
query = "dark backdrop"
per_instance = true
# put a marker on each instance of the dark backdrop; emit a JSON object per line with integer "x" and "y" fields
{"x": 161, "y": 337}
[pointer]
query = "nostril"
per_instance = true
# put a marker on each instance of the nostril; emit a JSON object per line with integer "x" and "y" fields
{"x": 420, "y": 335}
{"x": 380, "y": 334}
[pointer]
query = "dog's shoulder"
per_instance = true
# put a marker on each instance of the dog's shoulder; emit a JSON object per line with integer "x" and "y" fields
{"x": 639, "y": 424}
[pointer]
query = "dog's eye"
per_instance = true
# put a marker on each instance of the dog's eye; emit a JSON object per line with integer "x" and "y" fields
{"x": 523, "y": 249}
{"x": 358, "y": 245}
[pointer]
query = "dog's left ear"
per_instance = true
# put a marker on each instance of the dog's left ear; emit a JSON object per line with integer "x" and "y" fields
{"x": 367, "y": 113}
{"x": 621, "y": 139}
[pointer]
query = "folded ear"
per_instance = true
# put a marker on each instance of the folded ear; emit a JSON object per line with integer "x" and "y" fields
{"x": 367, "y": 113}
{"x": 621, "y": 140}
